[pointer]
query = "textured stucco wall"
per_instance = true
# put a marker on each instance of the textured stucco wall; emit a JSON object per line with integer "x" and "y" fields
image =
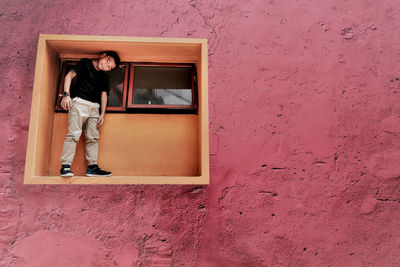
{"x": 304, "y": 140}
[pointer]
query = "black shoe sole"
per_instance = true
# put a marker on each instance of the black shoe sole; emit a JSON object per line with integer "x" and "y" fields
{"x": 67, "y": 175}
{"x": 98, "y": 175}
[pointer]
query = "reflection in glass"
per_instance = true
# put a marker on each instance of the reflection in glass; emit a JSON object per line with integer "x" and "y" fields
{"x": 162, "y": 85}
{"x": 116, "y": 82}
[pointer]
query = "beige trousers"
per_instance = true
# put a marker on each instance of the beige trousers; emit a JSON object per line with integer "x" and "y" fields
{"x": 83, "y": 115}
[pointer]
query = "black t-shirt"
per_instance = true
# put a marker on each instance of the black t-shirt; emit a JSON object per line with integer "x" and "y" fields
{"x": 90, "y": 83}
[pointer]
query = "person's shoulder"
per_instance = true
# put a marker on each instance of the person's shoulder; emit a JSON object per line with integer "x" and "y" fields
{"x": 84, "y": 61}
{"x": 84, "y": 65}
{"x": 103, "y": 75}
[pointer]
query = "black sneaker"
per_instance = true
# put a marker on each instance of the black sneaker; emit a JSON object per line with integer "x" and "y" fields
{"x": 66, "y": 171}
{"x": 94, "y": 170}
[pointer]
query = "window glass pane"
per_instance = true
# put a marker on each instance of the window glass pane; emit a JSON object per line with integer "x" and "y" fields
{"x": 162, "y": 85}
{"x": 116, "y": 82}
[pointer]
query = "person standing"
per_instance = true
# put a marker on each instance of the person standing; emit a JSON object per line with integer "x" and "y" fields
{"x": 83, "y": 100}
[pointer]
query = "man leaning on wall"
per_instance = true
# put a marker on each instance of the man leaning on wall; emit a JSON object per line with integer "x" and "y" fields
{"x": 83, "y": 100}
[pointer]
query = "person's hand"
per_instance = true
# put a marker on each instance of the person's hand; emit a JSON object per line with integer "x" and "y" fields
{"x": 101, "y": 120}
{"x": 66, "y": 102}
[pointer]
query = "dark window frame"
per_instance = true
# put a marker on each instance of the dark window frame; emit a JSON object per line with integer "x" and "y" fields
{"x": 61, "y": 81}
{"x": 125, "y": 91}
{"x": 157, "y": 106}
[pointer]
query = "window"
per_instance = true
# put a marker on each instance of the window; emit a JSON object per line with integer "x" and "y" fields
{"x": 118, "y": 82}
{"x": 162, "y": 86}
{"x": 145, "y": 88}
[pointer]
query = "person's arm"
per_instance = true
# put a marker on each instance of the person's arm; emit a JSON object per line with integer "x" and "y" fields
{"x": 102, "y": 108}
{"x": 66, "y": 100}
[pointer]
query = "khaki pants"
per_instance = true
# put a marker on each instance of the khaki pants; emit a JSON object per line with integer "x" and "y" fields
{"x": 83, "y": 115}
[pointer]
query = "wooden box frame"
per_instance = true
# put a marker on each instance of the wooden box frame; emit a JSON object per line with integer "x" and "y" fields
{"x": 52, "y": 48}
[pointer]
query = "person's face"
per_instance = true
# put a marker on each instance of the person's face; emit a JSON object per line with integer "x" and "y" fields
{"x": 106, "y": 63}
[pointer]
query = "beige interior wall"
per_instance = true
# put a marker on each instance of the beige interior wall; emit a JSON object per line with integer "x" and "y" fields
{"x": 45, "y": 105}
{"x": 129, "y": 51}
{"x": 199, "y": 84}
{"x": 137, "y": 145}
{"x": 204, "y": 160}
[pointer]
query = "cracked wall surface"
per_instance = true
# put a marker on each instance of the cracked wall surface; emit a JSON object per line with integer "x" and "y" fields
{"x": 304, "y": 140}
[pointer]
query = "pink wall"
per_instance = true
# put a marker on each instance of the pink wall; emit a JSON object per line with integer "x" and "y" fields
{"x": 304, "y": 130}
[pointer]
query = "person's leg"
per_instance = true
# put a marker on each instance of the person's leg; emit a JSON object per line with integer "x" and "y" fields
{"x": 76, "y": 117}
{"x": 92, "y": 135}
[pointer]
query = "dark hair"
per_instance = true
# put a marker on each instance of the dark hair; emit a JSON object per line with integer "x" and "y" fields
{"x": 114, "y": 55}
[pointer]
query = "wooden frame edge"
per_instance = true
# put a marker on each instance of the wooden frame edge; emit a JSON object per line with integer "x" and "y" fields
{"x": 43, "y": 43}
{"x": 204, "y": 123}
{"x": 68, "y": 37}
{"x": 121, "y": 180}
{"x": 34, "y": 114}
